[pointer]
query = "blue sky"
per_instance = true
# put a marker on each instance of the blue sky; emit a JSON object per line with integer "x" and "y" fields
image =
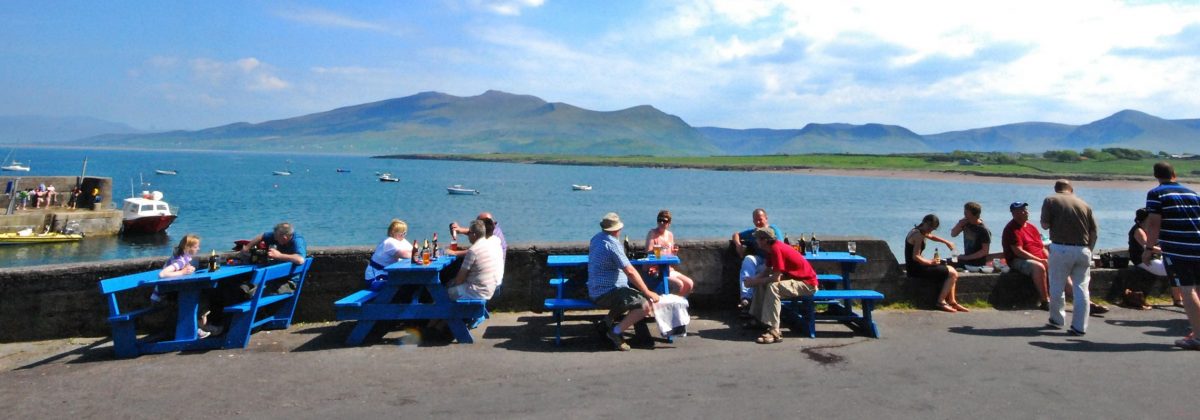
{"x": 931, "y": 66}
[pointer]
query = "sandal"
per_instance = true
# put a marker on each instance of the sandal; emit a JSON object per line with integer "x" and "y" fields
{"x": 1178, "y": 303}
{"x": 945, "y": 307}
{"x": 958, "y": 307}
{"x": 770, "y": 337}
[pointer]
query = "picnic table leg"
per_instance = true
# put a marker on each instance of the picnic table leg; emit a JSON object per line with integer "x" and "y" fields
{"x": 125, "y": 343}
{"x": 364, "y": 327}
{"x": 457, "y": 326}
{"x": 189, "y": 303}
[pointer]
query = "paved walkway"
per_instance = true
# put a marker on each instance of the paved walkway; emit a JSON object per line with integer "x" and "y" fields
{"x": 985, "y": 364}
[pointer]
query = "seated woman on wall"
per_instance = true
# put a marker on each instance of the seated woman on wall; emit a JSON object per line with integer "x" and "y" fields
{"x": 917, "y": 266}
{"x": 660, "y": 237}
{"x": 393, "y": 248}
{"x": 1137, "y": 247}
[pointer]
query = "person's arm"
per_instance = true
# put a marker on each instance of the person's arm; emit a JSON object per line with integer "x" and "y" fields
{"x": 635, "y": 280}
{"x": 1093, "y": 231}
{"x": 982, "y": 252}
{"x": 461, "y": 277}
{"x": 1152, "y": 225}
{"x": 403, "y": 254}
{"x": 650, "y": 241}
{"x": 1045, "y": 216}
{"x": 171, "y": 271}
{"x": 958, "y": 227}
{"x": 252, "y": 243}
{"x": 915, "y": 238}
{"x": 933, "y": 237}
{"x": 1022, "y": 253}
{"x": 737, "y": 245}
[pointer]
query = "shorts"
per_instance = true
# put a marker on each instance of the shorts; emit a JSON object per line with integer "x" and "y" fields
{"x": 1185, "y": 272}
{"x": 1022, "y": 266}
{"x": 620, "y": 299}
{"x": 938, "y": 273}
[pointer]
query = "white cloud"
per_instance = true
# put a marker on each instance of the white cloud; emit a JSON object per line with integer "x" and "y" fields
{"x": 507, "y": 7}
{"x": 326, "y": 18}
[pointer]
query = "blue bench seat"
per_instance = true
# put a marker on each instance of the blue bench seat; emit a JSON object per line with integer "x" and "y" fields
{"x": 806, "y": 308}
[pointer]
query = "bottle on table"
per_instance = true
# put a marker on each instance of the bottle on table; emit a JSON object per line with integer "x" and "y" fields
{"x": 628, "y": 250}
{"x": 416, "y": 253}
{"x": 213, "y": 265}
{"x": 937, "y": 256}
{"x": 453, "y": 238}
{"x": 425, "y": 252}
{"x": 435, "y": 250}
{"x": 815, "y": 244}
{"x": 803, "y": 244}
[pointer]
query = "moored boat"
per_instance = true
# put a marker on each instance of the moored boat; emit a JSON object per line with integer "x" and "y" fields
{"x": 166, "y": 172}
{"x": 146, "y": 214}
{"x": 460, "y": 190}
{"x": 342, "y": 171}
{"x": 14, "y": 165}
{"x": 27, "y": 236}
{"x": 388, "y": 178}
{"x": 285, "y": 172}
{"x": 578, "y": 187}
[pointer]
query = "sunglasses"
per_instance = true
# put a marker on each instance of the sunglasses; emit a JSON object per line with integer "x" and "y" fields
{"x": 664, "y": 220}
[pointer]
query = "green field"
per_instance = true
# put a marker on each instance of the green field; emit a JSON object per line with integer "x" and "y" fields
{"x": 1023, "y": 166}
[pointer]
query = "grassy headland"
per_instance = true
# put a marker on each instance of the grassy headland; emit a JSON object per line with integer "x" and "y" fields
{"x": 989, "y": 164}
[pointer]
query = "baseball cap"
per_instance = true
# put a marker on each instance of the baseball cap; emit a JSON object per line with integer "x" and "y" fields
{"x": 1018, "y": 205}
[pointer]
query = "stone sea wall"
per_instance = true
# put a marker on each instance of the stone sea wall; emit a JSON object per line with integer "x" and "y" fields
{"x": 63, "y": 300}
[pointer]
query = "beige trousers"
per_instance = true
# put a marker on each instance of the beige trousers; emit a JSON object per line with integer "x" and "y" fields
{"x": 767, "y": 297}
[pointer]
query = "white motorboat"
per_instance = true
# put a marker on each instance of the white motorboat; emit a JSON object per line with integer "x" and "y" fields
{"x": 460, "y": 190}
{"x": 14, "y": 165}
{"x": 284, "y": 172}
{"x": 146, "y": 214}
{"x": 388, "y": 178}
{"x": 166, "y": 172}
{"x": 578, "y": 187}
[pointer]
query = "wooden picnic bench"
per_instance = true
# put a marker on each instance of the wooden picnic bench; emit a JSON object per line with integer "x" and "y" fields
{"x": 124, "y": 321}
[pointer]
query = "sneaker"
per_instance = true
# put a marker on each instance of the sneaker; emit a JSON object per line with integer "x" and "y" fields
{"x": 1044, "y": 306}
{"x": 1188, "y": 343}
{"x": 617, "y": 340}
{"x": 1054, "y": 325}
{"x": 200, "y": 333}
{"x": 1075, "y": 332}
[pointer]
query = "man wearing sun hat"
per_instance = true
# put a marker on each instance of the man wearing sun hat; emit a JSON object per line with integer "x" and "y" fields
{"x": 610, "y": 276}
{"x": 1024, "y": 251}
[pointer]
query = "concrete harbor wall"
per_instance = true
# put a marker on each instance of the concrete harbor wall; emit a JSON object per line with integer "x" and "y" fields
{"x": 63, "y": 300}
{"x": 102, "y": 220}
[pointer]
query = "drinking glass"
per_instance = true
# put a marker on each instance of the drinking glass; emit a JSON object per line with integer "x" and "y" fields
{"x": 425, "y": 258}
{"x": 852, "y": 247}
{"x": 658, "y": 250}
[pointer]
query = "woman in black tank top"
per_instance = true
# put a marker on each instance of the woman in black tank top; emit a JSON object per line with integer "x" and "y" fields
{"x": 917, "y": 266}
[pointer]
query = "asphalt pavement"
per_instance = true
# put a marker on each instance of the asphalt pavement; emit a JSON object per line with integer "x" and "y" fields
{"x": 983, "y": 364}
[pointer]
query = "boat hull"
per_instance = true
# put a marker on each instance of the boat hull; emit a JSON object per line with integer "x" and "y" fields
{"x": 147, "y": 224}
{"x": 16, "y": 168}
{"x": 457, "y": 191}
{"x": 49, "y": 238}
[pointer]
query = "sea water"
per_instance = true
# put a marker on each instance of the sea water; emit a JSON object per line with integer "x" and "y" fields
{"x": 226, "y": 196}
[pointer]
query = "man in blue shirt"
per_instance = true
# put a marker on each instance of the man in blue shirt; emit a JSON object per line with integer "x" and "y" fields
{"x": 283, "y": 244}
{"x": 609, "y": 278}
{"x": 1174, "y": 224}
{"x": 751, "y": 256}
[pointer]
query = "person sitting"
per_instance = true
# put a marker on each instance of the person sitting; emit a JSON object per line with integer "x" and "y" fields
{"x": 283, "y": 244}
{"x": 494, "y": 230}
{"x": 977, "y": 239}
{"x": 180, "y": 264}
{"x": 393, "y": 248}
{"x": 1025, "y": 252}
{"x": 662, "y": 238}
{"x": 482, "y": 269}
{"x": 1155, "y": 268}
{"x": 751, "y": 256}
{"x": 610, "y": 276}
{"x": 787, "y": 275}
{"x": 917, "y": 266}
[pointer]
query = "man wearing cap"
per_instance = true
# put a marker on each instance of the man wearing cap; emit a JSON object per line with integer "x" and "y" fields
{"x": 1073, "y": 235}
{"x": 751, "y": 255}
{"x": 610, "y": 276}
{"x": 1024, "y": 251}
{"x": 787, "y": 275}
{"x": 1174, "y": 224}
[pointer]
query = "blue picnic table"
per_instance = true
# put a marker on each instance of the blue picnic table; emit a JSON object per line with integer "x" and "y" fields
{"x": 840, "y": 297}
{"x": 560, "y": 303}
{"x": 369, "y": 306}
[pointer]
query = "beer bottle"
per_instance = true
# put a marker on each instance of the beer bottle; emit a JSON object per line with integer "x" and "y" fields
{"x": 212, "y": 261}
{"x": 937, "y": 256}
{"x": 803, "y": 244}
{"x": 787, "y": 241}
{"x": 815, "y": 244}
{"x": 628, "y": 250}
{"x": 453, "y": 238}
{"x": 434, "y": 251}
{"x": 416, "y": 253}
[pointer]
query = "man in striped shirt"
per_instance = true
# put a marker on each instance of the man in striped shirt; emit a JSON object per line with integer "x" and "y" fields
{"x": 1174, "y": 224}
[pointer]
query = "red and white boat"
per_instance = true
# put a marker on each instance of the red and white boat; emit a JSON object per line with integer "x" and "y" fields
{"x": 146, "y": 214}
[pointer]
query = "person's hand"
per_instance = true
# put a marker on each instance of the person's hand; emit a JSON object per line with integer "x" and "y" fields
{"x": 273, "y": 253}
{"x": 950, "y": 245}
{"x": 189, "y": 270}
{"x": 652, "y": 297}
{"x": 454, "y": 226}
{"x": 961, "y": 222}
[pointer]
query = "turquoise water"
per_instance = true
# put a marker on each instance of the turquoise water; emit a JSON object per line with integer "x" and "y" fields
{"x": 228, "y": 196}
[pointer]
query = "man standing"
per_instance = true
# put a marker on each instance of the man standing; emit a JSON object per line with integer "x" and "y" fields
{"x": 1024, "y": 251}
{"x": 788, "y": 275}
{"x": 750, "y": 254}
{"x": 1072, "y": 238}
{"x": 486, "y": 217}
{"x": 1174, "y": 224}
{"x": 977, "y": 239}
{"x": 609, "y": 276}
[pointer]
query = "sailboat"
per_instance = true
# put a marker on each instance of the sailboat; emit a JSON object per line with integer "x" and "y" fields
{"x": 14, "y": 165}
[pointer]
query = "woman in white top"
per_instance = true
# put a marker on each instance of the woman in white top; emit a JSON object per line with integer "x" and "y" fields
{"x": 482, "y": 269}
{"x": 391, "y": 250}
{"x": 661, "y": 237}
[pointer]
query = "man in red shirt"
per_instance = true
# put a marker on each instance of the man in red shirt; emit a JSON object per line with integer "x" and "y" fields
{"x": 787, "y": 275}
{"x": 1024, "y": 251}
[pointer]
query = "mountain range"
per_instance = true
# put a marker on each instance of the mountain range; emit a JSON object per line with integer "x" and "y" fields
{"x": 499, "y": 122}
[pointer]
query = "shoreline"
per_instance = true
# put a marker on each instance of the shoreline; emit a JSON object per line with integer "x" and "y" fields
{"x": 1090, "y": 180}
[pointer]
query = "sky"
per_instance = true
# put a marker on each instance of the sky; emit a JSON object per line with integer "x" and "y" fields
{"x": 930, "y": 66}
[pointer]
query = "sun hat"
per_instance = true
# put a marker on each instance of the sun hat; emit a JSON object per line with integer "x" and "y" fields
{"x": 611, "y": 223}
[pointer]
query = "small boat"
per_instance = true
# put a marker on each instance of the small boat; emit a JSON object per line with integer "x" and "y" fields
{"x": 14, "y": 166}
{"x": 578, "y": 187}
{"x": 27, "y": 236}
{"x": 459, "y": 190}
{"x": 146, "y": 214}
{"x": 166, "y": 172}
{"x": 388, "y": 178}
{"x": 342, "y": 171}
{"x": 284, "y": 172}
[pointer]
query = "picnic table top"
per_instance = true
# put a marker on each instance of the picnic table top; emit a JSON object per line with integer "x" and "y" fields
{"x": 434, "y": 265}
{"x": 575, "y": 260}
{"x": 199, "y": 275}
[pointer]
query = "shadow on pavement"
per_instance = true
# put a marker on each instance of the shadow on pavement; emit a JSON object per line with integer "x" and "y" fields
{"x": 86, "y": 354}
{"x": 1083, "y": 345}
{"x": 1000, "y": 332}
{"x": 1165, "y": 327}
